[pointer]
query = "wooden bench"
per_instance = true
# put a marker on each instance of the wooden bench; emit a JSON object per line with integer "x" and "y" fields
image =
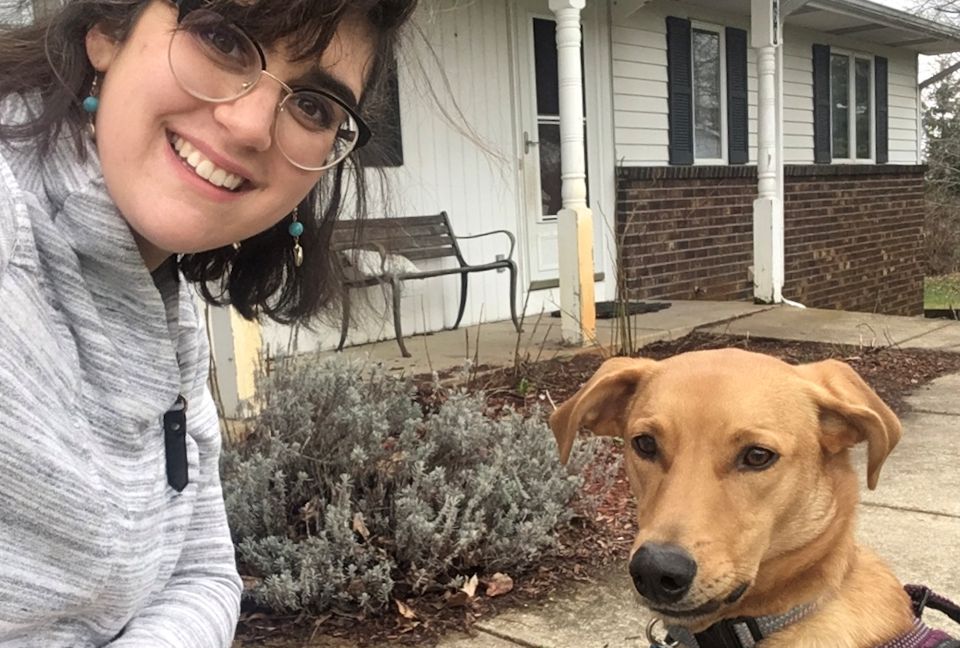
{"x": 417, "y": 238}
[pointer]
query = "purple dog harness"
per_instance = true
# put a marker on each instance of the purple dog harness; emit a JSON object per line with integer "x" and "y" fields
{"x": 749, "y": 632}
{"x": 921, "y": 636}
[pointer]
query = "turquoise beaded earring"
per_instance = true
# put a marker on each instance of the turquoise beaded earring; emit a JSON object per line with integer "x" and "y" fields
{"x": 296, "y": 229}
{"x": 91, "y": 103}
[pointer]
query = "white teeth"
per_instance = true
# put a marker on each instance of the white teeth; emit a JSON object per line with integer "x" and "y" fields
{"x": 204, "y": 167}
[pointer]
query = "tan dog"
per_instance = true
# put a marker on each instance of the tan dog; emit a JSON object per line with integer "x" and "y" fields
{"x": 745, "y": 493}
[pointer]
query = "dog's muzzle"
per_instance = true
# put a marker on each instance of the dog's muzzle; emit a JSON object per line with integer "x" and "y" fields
{"x": 662, "y": 573}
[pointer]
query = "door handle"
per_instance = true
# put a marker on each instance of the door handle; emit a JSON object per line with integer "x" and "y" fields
{"x": 528, "y": 143}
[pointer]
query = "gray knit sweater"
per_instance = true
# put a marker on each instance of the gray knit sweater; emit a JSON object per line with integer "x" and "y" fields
{"x": 96, "y": 549}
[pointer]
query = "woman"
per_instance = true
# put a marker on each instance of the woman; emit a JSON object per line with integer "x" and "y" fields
{"x": 145, "y": 146}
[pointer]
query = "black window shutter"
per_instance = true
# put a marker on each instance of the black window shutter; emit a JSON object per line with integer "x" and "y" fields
{"x": 738, "y": 139}
{"x": 880, "y": 85}
{"x": 822, "y": 139}
{"x": 680, "y": 90}
{"x": 385, "y": 148}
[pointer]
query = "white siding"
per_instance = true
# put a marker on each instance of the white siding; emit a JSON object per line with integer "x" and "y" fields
{"x": 905, "y": 128}
{"x": 640, "y": 88}
{"x": 797, "y": 101}
{"x": 640, "y": 91}
{"x": 470, "y": 175}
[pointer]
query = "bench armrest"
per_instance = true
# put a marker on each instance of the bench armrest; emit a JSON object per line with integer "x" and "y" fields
{"x": 509, "y": 235}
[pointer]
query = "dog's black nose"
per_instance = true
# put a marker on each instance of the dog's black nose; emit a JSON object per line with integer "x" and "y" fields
{"x": 662, "y": 573}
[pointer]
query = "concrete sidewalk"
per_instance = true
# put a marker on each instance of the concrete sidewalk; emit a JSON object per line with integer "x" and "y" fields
{"x": 497, "y": 343}
{"x": 912, "y": 519}
{"x": 844, "y": 327}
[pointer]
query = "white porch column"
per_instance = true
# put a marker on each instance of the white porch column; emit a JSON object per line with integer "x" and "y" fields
{"x": 575, "y": 226}
{"x": 768, "y": 253}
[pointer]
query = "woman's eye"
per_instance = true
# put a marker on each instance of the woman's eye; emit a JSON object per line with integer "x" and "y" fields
{"x": 220, "y": 41}
{"x": 757, "y": 458}
{"x": 314, "y": 111}
{"x": 224, "y": 40}
{"x": 645, "y": 446}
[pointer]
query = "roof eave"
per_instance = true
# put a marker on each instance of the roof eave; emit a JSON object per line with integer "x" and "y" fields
{"x": 947, "y": 38}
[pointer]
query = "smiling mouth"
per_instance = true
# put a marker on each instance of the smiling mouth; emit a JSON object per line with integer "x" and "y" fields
{"x": 706, "y": 608}
{"x": 203, "y": 167}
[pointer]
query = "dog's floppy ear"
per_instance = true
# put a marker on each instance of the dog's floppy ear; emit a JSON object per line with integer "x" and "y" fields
{"x": 851, "y": 412}
{"x": 599, "y": 403}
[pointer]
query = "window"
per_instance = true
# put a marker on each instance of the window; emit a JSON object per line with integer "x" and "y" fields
{"x": 386, "y": 147}
{"x": 708, "y": 121}
{"x": 851, "y": 107}
{"x": 706, "y": 93}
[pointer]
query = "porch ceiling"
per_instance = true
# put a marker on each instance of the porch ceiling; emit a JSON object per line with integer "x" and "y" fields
{"x": 877, "y": 23}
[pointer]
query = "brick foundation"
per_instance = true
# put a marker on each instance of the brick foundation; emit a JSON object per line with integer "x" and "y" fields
{"x": 853, "y": 234}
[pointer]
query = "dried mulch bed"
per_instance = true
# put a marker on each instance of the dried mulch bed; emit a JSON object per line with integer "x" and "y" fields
{"x": 601, "y": 534}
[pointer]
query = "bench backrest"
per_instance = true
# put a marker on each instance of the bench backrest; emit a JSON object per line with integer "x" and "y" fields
{"x": 415, "y": 237}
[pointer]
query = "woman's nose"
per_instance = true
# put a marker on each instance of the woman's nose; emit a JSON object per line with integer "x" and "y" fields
{"x": 250, "y": 118}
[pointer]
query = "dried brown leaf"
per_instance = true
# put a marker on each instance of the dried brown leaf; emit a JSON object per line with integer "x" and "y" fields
{"x": 499, "y": 584}
{"x": 470, "y": 587}
{"x": 359, "y": 526}
{"x": 405, "y": 610}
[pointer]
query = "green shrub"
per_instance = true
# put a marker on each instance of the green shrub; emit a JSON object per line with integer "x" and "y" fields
{"x": 346, "y": 494}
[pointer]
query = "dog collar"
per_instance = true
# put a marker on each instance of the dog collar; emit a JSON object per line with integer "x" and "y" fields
{"x": 740, "y": 632}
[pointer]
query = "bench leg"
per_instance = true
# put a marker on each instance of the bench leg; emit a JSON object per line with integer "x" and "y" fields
{"x": 463, "y": 298}
{"x": 513, "y": 297}
{"x": 397, "y": 328}
{"x": 345, "y": 323}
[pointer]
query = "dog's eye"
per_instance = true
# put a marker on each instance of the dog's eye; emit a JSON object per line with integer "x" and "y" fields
{"x": 757, "y": 458}
{"x": 645, "y": 446}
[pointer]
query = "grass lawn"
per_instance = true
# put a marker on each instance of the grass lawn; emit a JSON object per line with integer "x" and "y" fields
{"x": 942, "y": 291}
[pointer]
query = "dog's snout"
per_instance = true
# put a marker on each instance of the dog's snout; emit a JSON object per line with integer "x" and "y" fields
{"x": 662, "y": 573}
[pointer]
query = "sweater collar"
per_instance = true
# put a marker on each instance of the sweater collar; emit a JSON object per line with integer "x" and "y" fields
{"x": 85, "y": 213}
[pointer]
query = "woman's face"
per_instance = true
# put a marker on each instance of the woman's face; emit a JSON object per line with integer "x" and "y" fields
{"x": 143, "y": 111}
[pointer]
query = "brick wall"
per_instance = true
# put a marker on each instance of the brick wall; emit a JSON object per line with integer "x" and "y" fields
{"x": 686, "y": 232}
{"x": 853, "y": 234}
{"x": 854, "y": 238}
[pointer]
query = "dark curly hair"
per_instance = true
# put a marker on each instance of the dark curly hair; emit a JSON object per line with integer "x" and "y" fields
{"x": 49, "y": 58}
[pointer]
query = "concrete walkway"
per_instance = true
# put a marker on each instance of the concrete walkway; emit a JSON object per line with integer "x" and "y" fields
{"x": 498, "y": 344}
{"x": 913, "y": 518}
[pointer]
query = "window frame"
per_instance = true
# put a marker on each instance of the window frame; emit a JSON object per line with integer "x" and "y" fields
{"x": 852, "y": 57}
{"x": 720, "y": 31}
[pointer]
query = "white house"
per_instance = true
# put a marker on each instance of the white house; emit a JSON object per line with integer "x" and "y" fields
{"x": 674, "y": 108}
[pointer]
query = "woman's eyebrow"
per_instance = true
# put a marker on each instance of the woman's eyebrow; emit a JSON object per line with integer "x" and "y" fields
{"x": 324, "y": 80}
